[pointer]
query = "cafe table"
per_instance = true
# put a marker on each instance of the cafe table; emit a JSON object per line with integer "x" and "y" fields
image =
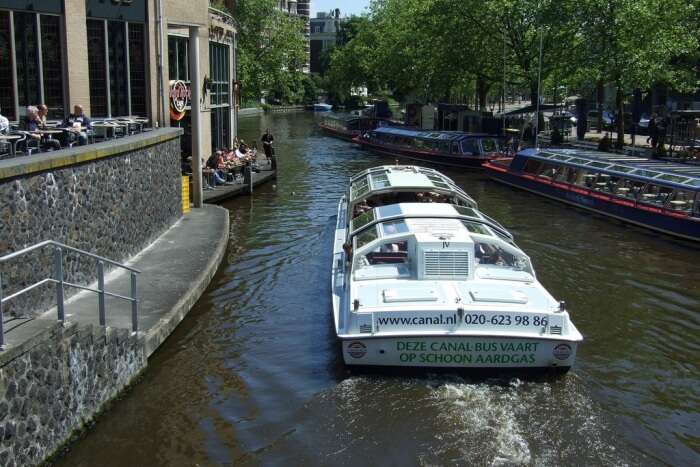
{"x": 12, "y": 140}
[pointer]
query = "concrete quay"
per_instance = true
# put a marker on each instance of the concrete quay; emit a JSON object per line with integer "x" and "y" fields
{"x": 55, "y": 378}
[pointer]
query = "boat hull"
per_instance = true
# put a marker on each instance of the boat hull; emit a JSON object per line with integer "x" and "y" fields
{"x": 680, "y": 226}
{"x": 473, "y": 162}
{"x": 459, "y": 352}
{"x": 340, "y": 134}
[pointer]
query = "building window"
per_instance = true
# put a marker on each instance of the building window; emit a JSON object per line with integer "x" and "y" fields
{"x": 118, "y": 83}
{"x": 27, "y": 59}
{"x": 220, "y": 95}
{"x": 36, "y": 59}
{"x": 117, "y": 68}
{"x": 178, "y": 62}
{"x": 137, "y": 68}
{"x": 7, "y": 102}
{"x": 52, "y": 65}
{"x": 97, "y": 67}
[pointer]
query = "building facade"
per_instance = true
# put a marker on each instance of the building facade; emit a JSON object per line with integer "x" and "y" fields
{"x": 172, "y": 61}
{"x": 324, "y": 35}
{"x": 302, "y": 9}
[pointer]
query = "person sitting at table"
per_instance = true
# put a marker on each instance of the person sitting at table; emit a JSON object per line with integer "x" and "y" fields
{"x": 42, "y": 113}
{"x": 31, "y": 124}
{"x": 4, "y": 124}
{"x": 78, "y": 125}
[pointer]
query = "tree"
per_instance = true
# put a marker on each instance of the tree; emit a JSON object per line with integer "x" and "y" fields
{"x": 271, "y": 50}
{"x": 635, "y": 44}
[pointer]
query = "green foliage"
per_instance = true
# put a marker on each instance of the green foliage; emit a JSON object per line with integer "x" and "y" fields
{"x": 271, "y": 51}
{"x": 429, "y": 50}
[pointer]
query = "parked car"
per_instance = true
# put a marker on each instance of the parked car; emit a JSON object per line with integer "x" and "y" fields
{"x": 608, "y": 120}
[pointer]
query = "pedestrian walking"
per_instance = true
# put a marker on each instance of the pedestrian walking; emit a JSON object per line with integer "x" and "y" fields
{"x": 653, "y": 131}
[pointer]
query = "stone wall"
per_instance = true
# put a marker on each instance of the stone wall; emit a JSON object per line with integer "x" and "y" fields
{"x": 56, "y": 383}
{"x": 111, "y": 199}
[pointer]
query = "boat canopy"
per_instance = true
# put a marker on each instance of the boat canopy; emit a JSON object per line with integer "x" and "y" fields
{"x": 400, "y": 178}
{"x": 473, "y": 220}
{"x": 389, "y": 249}
{"x": 429, "y": 135}
{"x": 661, "y": 172}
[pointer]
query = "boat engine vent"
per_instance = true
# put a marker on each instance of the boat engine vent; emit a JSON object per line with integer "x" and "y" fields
{"x": 445, "y": 264}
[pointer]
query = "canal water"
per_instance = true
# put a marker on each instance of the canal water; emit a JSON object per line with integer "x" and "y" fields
{"x": 253, "y": 375}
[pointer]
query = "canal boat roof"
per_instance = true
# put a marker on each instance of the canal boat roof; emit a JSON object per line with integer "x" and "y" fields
{"x": 430, "y": 135}
{"x": 396, "y": 178}
{"x": 474, "y": 220}
{"x": 669, "y": 173}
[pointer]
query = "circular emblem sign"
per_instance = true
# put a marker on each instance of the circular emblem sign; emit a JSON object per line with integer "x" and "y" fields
{"x": 179, "y": 98}
{"x": 562, "y": 351}
{"x": 357, "y": 349}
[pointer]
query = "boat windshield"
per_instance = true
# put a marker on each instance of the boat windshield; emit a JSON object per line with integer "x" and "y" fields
{"x": 392, "y": 198}
{"x": 495, "y": 253}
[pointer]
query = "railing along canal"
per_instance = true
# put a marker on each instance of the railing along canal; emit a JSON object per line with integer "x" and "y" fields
{"x": 58, "y": 279}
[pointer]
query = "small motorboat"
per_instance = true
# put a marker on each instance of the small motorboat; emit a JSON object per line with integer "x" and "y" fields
{"x": 322, "y": 107}
{"x": 422, "y": 278}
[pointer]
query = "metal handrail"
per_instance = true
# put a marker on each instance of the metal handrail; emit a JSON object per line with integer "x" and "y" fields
{"x": 59, "y": 248}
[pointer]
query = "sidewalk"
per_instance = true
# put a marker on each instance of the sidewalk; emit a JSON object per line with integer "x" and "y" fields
{"x": 175, "y": 271}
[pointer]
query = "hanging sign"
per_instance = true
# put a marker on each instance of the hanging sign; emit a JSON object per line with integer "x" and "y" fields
{"x": 180, "y": 95}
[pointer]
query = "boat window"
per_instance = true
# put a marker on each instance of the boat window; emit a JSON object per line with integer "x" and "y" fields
{"x": 572, "y": 174}
{"x": 547, "y": 170}
{"x": 362, "y": 219}
{"x": 489, "y": 145}
{"x": 599, "y": 165}
{"x": 470, "y": 147}
{"x": 380, "y": 181}
{"x": 387, "y": 253}
{"x": 681, "y": 200}
{"x": 465, "y": 211}
{"x": 621, "y": 168}
{"x": 655, "y": 194}
{"x": 388, "y": 211}
{"x": 455, "y": 148}
{"x": 359, "y": 188}
{"x": 673, "y": 178}
{"x": 394, "y": 227}
{"x": 560, "y": 173}
{"x": 498, "y": 254}
{"x": 366, "y": 237}
{"x": 576, "y": 160}
{"x": 475, "y": 227}
{"x": 608, "y": 183}
{"x": 532, "y": 166}
{"x": 629, "y": 188}
{"x": 586, "y": 179}
{"x": 445, "y": 147}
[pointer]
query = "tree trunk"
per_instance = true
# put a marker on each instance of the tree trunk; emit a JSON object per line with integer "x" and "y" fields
{"x": 482, "y": 89}
{"x": 533, "y": 93}
{"x": 600, "y": 97}
{"x": 620, "y": 120}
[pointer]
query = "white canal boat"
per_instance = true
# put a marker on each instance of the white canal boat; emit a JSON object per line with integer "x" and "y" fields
{"x": 422, "y": 278}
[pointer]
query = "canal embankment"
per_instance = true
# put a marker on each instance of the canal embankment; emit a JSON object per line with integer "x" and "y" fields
{"x": 120, "y": 200}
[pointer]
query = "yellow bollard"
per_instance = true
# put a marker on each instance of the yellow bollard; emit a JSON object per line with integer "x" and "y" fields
{"x": 185, "y": 194}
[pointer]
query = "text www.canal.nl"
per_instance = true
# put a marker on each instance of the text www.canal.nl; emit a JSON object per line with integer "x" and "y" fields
{"x": 417, "y": 320}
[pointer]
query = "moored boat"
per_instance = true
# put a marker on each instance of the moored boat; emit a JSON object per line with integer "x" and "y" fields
{"x": 662, "y": 196}
{"x": 322, "y": 107}
{"x": 450, "y": 148}
{"x": 422, "y": 278}
{"x": 348, "y": 127}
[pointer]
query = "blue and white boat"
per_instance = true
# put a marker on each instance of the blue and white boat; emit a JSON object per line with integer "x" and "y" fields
{"x": 322, "y": 107}
{"x": 659, "y": 195}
